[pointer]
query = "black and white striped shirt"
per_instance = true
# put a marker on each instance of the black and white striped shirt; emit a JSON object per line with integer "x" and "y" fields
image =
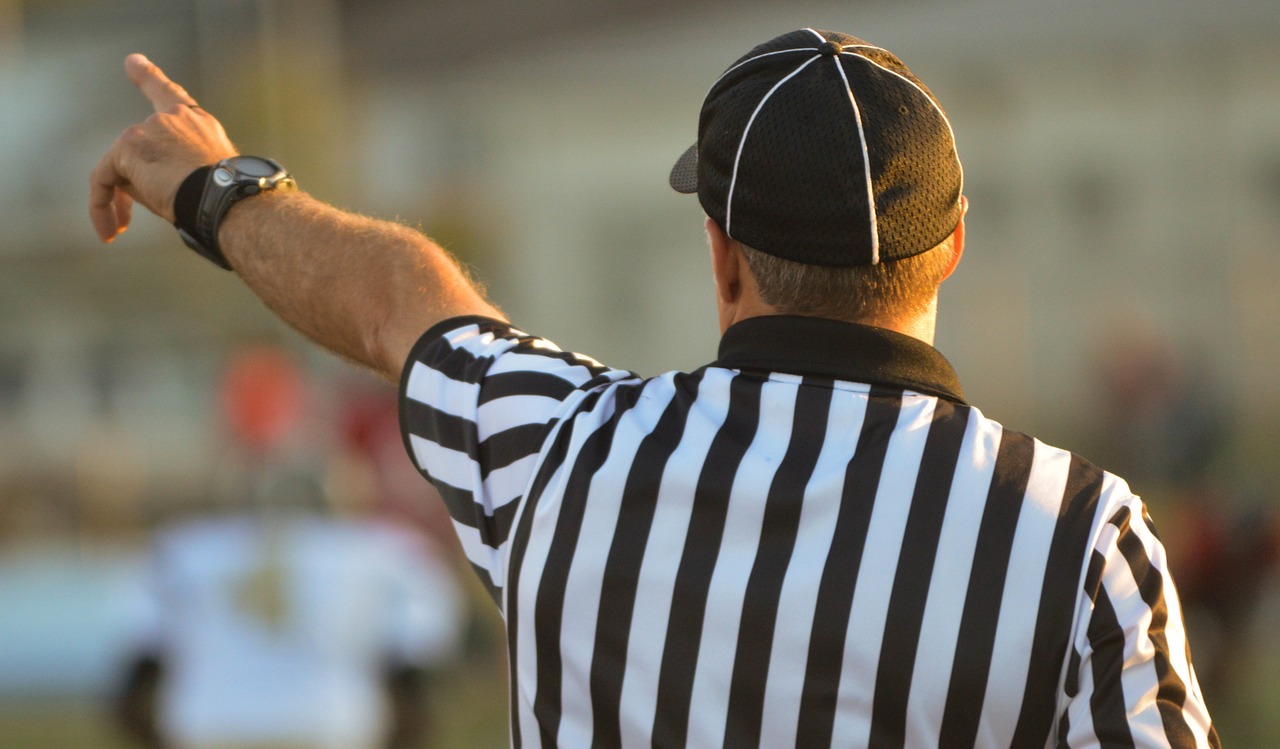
{"x": 812, "y": 541}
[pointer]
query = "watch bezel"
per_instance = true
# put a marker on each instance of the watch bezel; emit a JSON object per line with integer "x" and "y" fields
{"x": 228, "y": 182}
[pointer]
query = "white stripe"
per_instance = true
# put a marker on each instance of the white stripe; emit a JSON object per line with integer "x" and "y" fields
{"x": 799, "y": 596}
{"x": 525, "y": 671}
{"x": 728, "y": 209}
{"x": 506, "y": 484}
{"x": 761, "y": 56}
{"x": 744, "y": 519}
{"x": 481, "y": 554}
{"x": 1193, "y": 709}
{"x": 454, "y": 397}
{"x": 1139, "y": 682}
{"x": 1079, "y": 713}
{"x": 876, "y": 570}
{"x": 521, "y": 362}
{"x": 866, "y": 163}
{"x": 949, "y": 583}
{"x": 453, "y": 467}
{"x": 1020, "y": 601}
{"x": 585, "y": 582}
{"x": 821, "y": 39}
{"x": 504, "y": 413}
{"x": 661, "y": 560}
{"x": 541, "y": 535}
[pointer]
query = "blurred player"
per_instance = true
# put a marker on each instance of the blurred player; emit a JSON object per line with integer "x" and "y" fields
{"x": 288, "y": 629}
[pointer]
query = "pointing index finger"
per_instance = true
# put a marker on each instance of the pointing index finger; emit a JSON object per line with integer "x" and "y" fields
{"x": 163, "y": 93}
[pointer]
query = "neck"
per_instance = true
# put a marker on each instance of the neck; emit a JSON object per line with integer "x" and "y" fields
{"x": 922, "y": 326}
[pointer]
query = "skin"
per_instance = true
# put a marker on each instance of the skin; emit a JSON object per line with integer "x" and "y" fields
{"x": 738, "y": 297}
{"x": 365, "y": 289}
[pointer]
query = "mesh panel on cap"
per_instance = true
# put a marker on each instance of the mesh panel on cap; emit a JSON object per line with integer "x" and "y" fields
{"x": 790, "y": 199}
{"x": 916, "y": 177}
{"x": 801, "y": 185}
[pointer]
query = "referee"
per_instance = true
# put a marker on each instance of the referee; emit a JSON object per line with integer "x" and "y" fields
{"x": 813, "y": 540}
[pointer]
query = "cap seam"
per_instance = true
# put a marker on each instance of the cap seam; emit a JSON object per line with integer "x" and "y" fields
{"x": 936, "y": 107}
{"x": 821, "y": 39}
{"x": 758, "y": 57}
{"x": 746, "y": 130}
{"x": 866, "y": 164}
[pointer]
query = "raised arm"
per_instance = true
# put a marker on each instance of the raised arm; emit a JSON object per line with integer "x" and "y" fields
{"x": 365, "y": 289}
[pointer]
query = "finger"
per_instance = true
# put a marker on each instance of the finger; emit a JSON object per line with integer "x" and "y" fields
{"x": 124, "y": 209}
{"x": 164, "y": 94}
{"x": 104, "y": 207}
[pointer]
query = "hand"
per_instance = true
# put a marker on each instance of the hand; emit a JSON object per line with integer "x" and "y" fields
{"x": 149, "y": 161}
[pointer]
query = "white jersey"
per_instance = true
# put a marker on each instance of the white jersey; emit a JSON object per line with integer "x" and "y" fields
{"x": 280, "y": 630}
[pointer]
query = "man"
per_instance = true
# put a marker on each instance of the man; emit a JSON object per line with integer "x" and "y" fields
{"x": 286, "y": 627}
{"x": 812, "y": 540}
{"x": 292, "y": 612}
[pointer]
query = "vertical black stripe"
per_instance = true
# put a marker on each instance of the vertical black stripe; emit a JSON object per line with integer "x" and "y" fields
{"x": 1106, "y": 701}
{"x": 1071, "y": 688}
{"x": 698, "y": 561}
{"x": 626, "y": 552}
{"x": 555, "y": 456}
{"x": 915, "y": 570}
{"x": 764, "y": 587}
{"x": 839, "y": 575}
{"x": 1071, "y": 684}
{"x": 549, "y": 608}
{"x": 1058, "y": 596}
{"x": 1171, "y": 693}
{"x": 975, "y": 641}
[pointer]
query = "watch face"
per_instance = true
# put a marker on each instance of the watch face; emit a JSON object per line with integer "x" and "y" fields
{"x": 254, "y": 167}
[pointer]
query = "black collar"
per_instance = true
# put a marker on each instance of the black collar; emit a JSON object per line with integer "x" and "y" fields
{"x": 840, "y": 350}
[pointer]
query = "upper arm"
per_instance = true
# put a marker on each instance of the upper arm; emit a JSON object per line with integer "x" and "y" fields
{"x": 1130, "y": 681}
{"x": 363, "y": 288}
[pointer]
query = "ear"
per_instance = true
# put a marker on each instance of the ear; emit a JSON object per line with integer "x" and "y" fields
{"x": 957, "y": 240}
{"x": 725, "y": 267}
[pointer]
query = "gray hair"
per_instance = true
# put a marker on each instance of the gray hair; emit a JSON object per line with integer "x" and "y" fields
{"x": 861, "y": 293}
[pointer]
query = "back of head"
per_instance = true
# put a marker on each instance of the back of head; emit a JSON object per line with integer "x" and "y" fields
{"x": 878, "y": 294}
{"x": 836, "y": 168}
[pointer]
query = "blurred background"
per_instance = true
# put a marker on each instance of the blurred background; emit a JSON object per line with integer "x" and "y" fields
{"x": 1119, "y": 296}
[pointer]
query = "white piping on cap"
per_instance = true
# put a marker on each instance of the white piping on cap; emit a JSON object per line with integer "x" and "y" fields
{"x": 866, "y": 163}
{"x": 914, "y": 85}
{"x": 733, "y": 181}
{"x": 760, "y": 57}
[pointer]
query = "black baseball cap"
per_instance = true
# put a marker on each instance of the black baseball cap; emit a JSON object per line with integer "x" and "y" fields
{"x": 820, "y": 148}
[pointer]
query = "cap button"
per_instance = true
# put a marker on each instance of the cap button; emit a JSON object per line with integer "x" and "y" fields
{"x": 829, "y": 48}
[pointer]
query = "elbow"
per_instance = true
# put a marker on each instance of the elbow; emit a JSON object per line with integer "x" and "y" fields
{"x": 383, "y": 350}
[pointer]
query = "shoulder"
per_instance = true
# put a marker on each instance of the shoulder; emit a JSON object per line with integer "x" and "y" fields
{"x": 487, "y": 359}
{"x": 1069, "y": 490}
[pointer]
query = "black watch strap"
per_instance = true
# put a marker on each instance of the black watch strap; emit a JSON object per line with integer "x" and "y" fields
{"x": 186, "y": 212}
{"x": 208, "y": 193}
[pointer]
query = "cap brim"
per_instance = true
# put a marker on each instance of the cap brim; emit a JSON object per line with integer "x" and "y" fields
{"x": 684, "y": 175}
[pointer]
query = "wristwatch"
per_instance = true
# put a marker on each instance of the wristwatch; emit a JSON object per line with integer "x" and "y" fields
{"x": 221, "y": 186}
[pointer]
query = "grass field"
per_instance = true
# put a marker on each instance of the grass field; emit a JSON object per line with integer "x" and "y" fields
{"x": 469, "y": 708}
{"x": 471, "y": 713}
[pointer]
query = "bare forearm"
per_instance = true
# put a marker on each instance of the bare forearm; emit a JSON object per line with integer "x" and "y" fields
{"x": 365, "y": 289}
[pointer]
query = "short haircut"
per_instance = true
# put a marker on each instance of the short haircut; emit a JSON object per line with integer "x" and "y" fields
{"x": 860, "y": 293}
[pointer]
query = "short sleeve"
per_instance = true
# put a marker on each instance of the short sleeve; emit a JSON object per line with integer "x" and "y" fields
{"x": 478, "y": 401}
{"x": 1130, "y": 681}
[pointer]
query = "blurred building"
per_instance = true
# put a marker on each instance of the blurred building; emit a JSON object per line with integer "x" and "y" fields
{"x": 1122, "y": 162}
